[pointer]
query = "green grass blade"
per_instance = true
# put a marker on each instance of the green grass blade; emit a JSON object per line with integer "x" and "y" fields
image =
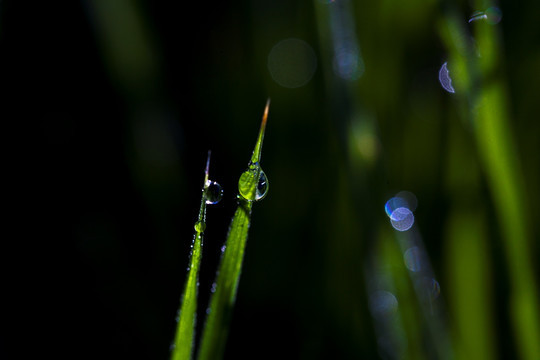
{"x": 252, "y": 186}
{"x": 185, "y": 331}
{"x": 500, "y": 161}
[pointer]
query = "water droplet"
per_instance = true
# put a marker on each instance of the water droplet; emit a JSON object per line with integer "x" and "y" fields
{"x": 251, "y": 187}
{"x": 394, "y": 203}
{"x": 478, "y": 15}
{"x": 200, "y": 226}
{"x": 494, "y": 15}
{"x": 432, "y": 288}
{"x": 409, "y": 198}
{"x": 213, "y": 288}
{"x": 382, "y": 303}
{"x": 444, "y": 79}
{"x": 413, "y": 259}
{"x": 213, "y": 192}
{"x": 402, "y": 219}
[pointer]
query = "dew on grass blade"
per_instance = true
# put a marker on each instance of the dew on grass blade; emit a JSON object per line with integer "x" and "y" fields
{"x": 494, "y": 15}
{"x": 402, "y": 219}
{"x": 394, "y": 203}
{"x": 262, "y": 186}
{"x": 200, "y": 226}
{"x": 432, "y": 287}
{"x": 399, "y": 209}
{"x": 292, "y": 63}
{"x": 382, "y": 304}
{"x": 409, "y": 198}
{"x": 213, "y": 192}
{"x": 413, "y": 259}
{"x": 478, "y": 15}
{"x": 253, "y": 183}
{"x": 444, "y": 78}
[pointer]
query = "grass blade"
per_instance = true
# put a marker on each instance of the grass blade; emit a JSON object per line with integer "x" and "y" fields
{"x": 500, "y": 161}
{"x": 252, "y": 186}
{"x": 185, "y": 331}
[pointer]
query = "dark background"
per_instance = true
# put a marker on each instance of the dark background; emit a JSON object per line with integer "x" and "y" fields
{"x": 107, "y": 130}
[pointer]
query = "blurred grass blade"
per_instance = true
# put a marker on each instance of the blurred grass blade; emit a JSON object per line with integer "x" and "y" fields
{"x": 252, "y": 186}
{"x": 185, "y": 331}
{"x": 500, "y": 161}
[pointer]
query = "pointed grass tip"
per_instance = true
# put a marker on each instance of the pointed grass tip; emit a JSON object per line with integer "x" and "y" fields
{"x": 256, "y": 156}
{"x": 265, "y": 115}
{"x": 207, "y": 169}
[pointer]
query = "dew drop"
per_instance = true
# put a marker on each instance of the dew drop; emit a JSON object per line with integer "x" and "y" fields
{"x": 213, "y": 192}
{"x": 252, "y": 188}
{"x": 394, "y": 203}
{"x": 494, "y": 15}
{"x": 262, "y": 186}
{"x": 478, "y": 15}
{"x": 444, "y": 78}
{"x": 200, "y": 226}
{"x": 382, "y": 304}
{"x": 413, "y": 259}
{"x": 432, "y": 288}
{"x": 402, "y": 219}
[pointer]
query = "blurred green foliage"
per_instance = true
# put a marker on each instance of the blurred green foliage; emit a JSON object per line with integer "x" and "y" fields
{"x": 116, "y": 103}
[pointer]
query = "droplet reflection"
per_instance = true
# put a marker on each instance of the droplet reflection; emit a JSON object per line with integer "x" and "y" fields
{"x": 382, "y": 304}
{"x": 478, "y": 15}
{"x": 213, "y": 192}
{"x": 399, "y": 209}
{"x": 432, "y": 288}
{"x": 402, "y": 219}
{"x": 412, "y": 259}
{"x": 492, "y": 16}
{"x": 445, "y": 80}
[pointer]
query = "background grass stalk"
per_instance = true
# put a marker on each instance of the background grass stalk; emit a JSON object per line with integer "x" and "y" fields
{"x": 185, "y": 331}
{"x": 501, "y": 164}
{"x": 225, "y": 288}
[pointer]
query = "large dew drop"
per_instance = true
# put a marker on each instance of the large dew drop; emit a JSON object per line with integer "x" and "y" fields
{"x": 213, "y": 192}
{"x": 252, "y": 187}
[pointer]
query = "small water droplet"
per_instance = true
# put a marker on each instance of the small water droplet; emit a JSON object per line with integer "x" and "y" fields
{"x": 213, "y": 192}
{"x": 402, "y": 219}
{"x": 223, "y": 248}
{"x": 382, "y": 304}
{"x": 432, "y": 288}
{"x": 213, "y": 288}
{"x": 445, "y": 80}
{"x": 251, "y": 187}
{"x": 200, "y": 226}
{"x": 492, "y": 16}
{"x": 478, "y": 15}
{"x": 394, "y": 203}
{"x": 413, "y": 259}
